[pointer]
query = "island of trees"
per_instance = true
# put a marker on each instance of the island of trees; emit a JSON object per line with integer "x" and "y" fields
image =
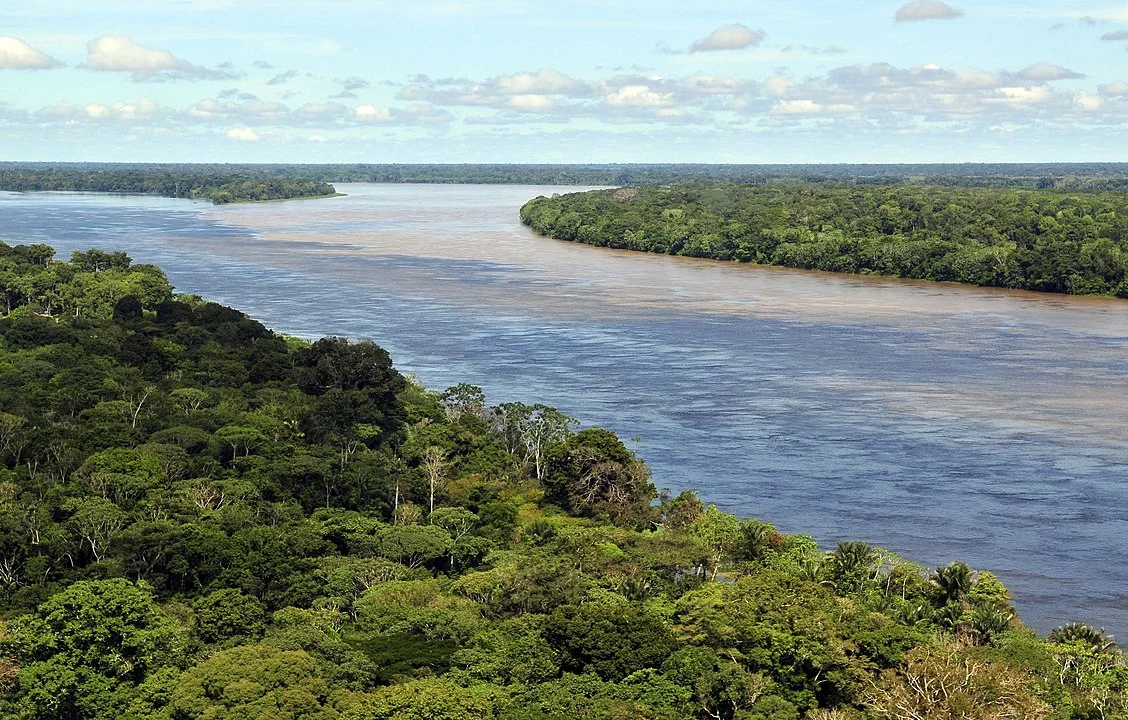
{"x": 200, "y": 518}
{"x": 1045, "y": 240}
{"x": 215, "y": 185}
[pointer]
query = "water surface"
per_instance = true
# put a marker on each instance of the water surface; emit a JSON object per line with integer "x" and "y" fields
{"x": 941, "y": 421}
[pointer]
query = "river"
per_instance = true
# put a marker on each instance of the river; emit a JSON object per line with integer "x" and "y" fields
{"x": 940, "y": 421}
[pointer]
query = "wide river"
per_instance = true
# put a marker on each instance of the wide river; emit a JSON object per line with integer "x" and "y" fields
{"x": 940, "y": 421}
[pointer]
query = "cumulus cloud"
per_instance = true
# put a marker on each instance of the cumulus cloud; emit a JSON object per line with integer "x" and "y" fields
{"x": 1021, "y": 95}
{"x": 118, "y": 53}
{"x": 918, "y": 10}
{"x": 729, "y": 37}
{"x": 703, "y": 84}
{"x": 498, "y": 91}
{"x": 912, "y": 98}
{"x": 1047, "y": 72}
{"x": 142, "y": 110}
{"x": 882, "y": 96}
{"x": 637, "y": 96}
{"x": 531, "y": 103}
{"x": 247, "y": 111}
{"x": 543, "y": 82}
{"x": 555, "y": 97}
{"x": 1115, "y": 36}
{"x": 243, "y": 134}
{"x": 414, "y": 114}
{"x": 1088, "y": 101}
{"x": 372, "y": 113}
{"x": 1115, "y": 89}
{"x": 15, "y": 54}
{"x": 796, "y": 107}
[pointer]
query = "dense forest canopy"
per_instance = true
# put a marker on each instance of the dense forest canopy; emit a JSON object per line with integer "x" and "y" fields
{"x": 69, "y": 176}
{"x": 200, "y": 518}
{"x": 1052, "y": 241}
{"x": 214, "y": 183}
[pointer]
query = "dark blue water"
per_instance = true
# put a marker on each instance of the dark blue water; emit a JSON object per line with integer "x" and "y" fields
{"x": 941, "y": 422}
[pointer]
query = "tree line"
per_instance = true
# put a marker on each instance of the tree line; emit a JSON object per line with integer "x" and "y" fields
{"x": 214, "y": 185}
{"x": 1042, "y": 240}
{"x": 201, "y": 518}
{"x": 171, "y": 176}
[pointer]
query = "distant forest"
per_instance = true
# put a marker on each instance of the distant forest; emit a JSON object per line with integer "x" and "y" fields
{"x": 176, "y": 180}
{"x": 219, "y": 186}
{"x": 1044, "y": 240}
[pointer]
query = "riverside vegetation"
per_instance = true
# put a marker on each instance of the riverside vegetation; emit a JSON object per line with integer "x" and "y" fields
{"x": 215, "y": 184}
{"x": 200, "y": 518}
{"x": 1045, "y": 240}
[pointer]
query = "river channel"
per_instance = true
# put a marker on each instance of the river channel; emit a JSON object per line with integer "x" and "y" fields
{"x": 940, "y": 421}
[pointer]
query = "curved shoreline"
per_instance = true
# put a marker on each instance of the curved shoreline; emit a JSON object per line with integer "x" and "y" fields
{"x": 1059, "y": 243}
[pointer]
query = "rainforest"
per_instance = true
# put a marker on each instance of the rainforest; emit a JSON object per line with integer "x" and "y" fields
{"x": 1044, "y": 240}
{"x": 201, "y": 518}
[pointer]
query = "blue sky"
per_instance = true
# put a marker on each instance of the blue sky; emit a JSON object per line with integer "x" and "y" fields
{"x": 568, "y": 81}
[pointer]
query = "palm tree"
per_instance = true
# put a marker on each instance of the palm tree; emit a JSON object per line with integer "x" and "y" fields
{"x": 954, "y": 581}
{"x": 851, "y": 564}
{"x": 1096, "y": 640}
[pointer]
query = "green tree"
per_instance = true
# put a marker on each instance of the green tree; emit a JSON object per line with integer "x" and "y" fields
{"x": 253, "y": 682}
{"x": 88, "y": 648}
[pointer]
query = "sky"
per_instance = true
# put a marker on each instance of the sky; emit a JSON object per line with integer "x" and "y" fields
{"x": 570, "y": 81}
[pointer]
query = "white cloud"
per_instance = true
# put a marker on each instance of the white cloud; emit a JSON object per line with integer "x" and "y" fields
{"x": 1114, "y": 89}
{"x": 531, "y": 103}
{"x": 317, "y": 139}
{"x": 637, "y": 96}
{"x": 239, "y": 111}
{"x": 413, "y": 114}
{"x": 371, "y": 113}
{"x": 1115, "y": 36}
{"x": 1047, "y": 72}
{"x": 15, "y": 54}
{"x": 1088, "y": 101}
{"x": 729, "y": 37}
{"x": 777, "y": 85}
{"x": 701, "y": 84}
{"x": 926, "y": 10}
{"x": 242, "y": 134}
{"x": 1022, "y": 95}
{"x": 796, "y": 107}
{"x": 143, "y": 110}
{"x": 118, "y": 53}
{"x": 542, "y": 82}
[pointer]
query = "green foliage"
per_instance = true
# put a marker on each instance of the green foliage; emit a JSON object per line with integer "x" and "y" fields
{"x": 1032, "y": 239}
{"x": 264, "y": 498}
{"x": 218, "y": 184}
{"x": 229, "y": 614}
{"x": 612, "y": 641}
{"x": 88, "y": 648}
{"x": 593, "y": 474}
{"x": 252, "y": 682}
